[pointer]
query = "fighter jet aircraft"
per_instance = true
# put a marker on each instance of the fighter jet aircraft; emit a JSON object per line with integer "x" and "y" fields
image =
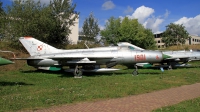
{"x": 44, "y": 56}
{"x": 178, "y": 58}
{"x": 4, "y": 61}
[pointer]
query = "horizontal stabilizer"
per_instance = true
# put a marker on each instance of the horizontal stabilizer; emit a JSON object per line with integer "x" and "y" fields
{"x": 30, "y": 58}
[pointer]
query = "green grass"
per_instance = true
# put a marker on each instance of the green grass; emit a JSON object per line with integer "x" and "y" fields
{"x": 186, "y": 106}
{"x": 30, "y": 89}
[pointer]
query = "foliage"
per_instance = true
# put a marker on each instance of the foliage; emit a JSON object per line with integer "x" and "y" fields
{"x": 175, "y": 34}
{"x": 1, "y": 8}
{"x": 2, "y": 13}
{"x": 184, "y": 47}
{"x": 111, "y": 33}
{"x": 90, "y": 28}
{"x": 128, "y": 30}
{"x": 65, "y": 15}
{"x": 29, "y": 18}
{"x": 24, "y": 18}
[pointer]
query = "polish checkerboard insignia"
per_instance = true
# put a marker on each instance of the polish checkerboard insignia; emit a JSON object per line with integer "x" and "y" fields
{"x": 39, "y": 48}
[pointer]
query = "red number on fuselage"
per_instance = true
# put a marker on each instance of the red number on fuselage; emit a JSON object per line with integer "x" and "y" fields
{"x": 140, "y": 57}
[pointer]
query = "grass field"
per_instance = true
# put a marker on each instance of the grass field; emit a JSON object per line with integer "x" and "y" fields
{"x": 186, "y": 106}
{"x": 27, "y": 88}
{"x": 24, "y": 88}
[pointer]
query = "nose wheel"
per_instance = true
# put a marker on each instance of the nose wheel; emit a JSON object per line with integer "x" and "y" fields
{"x": 77, "y": 72}
{"x": 135, "y": 72}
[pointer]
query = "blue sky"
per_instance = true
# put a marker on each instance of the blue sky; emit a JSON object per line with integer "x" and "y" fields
{"x": 153, "y": 14}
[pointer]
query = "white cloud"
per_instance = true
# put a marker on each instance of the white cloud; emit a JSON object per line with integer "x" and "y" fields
{"x": 153, "y": 24}
{"x": 102, "y": 27}
{"x": 166, "y": 14}
{"x": 192, "y": 25}
{"x": 108, "y": 5}
{"x": 147, "y": 19}
{"x": 141, "y": 13}
{"x": 128, "y": 10}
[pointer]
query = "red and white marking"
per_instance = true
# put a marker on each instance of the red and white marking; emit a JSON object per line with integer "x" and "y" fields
{"x": 157, "y": 57}
{"x": 39, "y": 48}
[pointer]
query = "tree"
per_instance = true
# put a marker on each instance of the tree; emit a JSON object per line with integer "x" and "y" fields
{"x": 175, "y": 34}
{"x": 27, "y": 18}
{"x": 127, "y": 30}
{"x": 111, "y": 33}
{"x": 2, "y": 14}
{"x": 148, "y": 40}
{"x": 90, "y": 28}
{"x": 65, "y": 15}
{"x": 1, "y": 8}
{"x": 48, "y": 23}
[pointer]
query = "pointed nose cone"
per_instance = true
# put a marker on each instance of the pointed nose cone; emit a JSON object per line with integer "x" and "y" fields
{"x": 5, "y": 61}
{"x": 166, "y": 56}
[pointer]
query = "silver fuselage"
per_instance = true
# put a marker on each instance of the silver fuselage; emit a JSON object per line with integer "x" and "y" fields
{"x": 120, "y": 55}
{"x": 183, "y": 55}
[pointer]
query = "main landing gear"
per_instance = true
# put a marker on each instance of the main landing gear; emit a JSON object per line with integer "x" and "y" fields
{"x": 77, "y": 72}
{"x": 135, "y": 72}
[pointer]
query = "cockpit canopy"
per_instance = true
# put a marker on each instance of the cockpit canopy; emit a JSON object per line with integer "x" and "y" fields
{"x": 126, "y": 45}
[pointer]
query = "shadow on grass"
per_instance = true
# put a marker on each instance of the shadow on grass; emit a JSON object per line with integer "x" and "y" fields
{"x": 62, "y": 73}
{"x": 3, "y": 83}
{"x": 149, "y": 73}
{"x": 145, "y": 71}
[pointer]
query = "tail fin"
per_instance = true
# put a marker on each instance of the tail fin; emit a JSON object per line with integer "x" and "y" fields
{"x": 36, "y": 47}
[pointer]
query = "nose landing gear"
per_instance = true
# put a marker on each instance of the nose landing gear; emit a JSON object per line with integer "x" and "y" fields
{"x": 135, "y": 72}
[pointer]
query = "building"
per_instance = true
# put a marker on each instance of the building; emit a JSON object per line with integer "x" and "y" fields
{"x": 158, "y": 39}
{"x": 73, "y": 37}
{"x": 192, "y": 41}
